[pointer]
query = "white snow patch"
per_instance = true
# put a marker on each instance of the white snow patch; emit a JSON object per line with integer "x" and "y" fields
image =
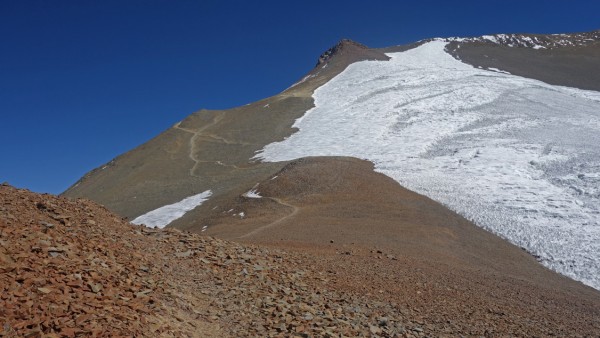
{"x": 517, "y": 156}
{"x": 161, "y": 217}
{"x": 498, "y": 70}
{"x": 490, "y": 38}
{"x": 252, "y": 193}
{"x": 310, "y": 76}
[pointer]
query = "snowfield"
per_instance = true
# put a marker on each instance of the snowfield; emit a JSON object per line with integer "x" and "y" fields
{"x": 518, "y": 157}
{"x": 161, "y": 217}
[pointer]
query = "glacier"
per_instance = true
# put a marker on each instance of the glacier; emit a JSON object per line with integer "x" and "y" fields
{"x": 518, "y": 157}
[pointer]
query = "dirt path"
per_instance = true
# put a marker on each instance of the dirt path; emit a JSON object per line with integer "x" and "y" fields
{"x": 197, "y": 133}
{"x": 295, "y": 210}
{"x": 200, "y": 133}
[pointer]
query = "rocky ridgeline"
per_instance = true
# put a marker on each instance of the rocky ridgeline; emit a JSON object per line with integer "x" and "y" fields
{"x": 71, "y": 268}
{"x": 535, "y": 41}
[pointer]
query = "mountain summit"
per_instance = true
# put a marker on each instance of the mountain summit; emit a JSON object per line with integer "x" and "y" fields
{"x": 347, "y": 46}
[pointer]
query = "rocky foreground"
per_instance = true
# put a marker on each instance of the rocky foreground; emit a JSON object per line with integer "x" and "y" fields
{"x": 71, "y": 268}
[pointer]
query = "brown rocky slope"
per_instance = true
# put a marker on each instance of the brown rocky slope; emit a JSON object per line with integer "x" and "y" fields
{"x": 404, "y": 246}
{"x": 71, "y": 268}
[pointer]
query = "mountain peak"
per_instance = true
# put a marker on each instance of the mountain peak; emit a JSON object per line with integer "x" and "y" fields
{"x": 347, "y": 42}
{"x": 338, "y": 48}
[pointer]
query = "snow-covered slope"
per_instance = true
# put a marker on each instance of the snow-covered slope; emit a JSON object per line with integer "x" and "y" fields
{"x": 517, "y": 156}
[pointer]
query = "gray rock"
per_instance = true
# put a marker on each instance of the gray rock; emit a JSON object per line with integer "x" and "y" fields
{"x": 184, "y": 254}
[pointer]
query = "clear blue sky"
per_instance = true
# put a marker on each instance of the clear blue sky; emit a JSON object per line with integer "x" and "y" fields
{"x": 84, "y": 81}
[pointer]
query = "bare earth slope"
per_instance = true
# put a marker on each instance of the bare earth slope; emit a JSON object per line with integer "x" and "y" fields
{"x": 71, "y": 268}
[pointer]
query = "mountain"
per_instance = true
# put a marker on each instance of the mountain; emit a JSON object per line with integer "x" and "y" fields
{"x": 501, "y": 129}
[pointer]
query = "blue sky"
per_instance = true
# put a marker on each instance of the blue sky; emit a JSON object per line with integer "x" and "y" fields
{"x": 84, "y": 81}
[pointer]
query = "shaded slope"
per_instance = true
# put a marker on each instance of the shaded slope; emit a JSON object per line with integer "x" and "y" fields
{"x": 562, "y": 59}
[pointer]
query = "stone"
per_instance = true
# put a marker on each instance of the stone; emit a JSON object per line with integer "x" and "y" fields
{"x": 374, "y": 329}
{"x": 44, "y": 290}
{"x": 184, "y": 254}
{"x": 95, "y": 287}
